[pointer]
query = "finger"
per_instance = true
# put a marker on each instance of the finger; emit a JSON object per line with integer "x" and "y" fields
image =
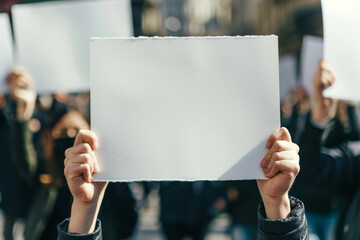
{"x": 83, "y": 148}
{"x": 80, "y": 148}
{"x": 24, "y": 95}
{"x": 279, "y": 134}
{"x": 288, "y": 167}
{"x": 83, "y": 158}
{"x": 86, "y": 136}
{"x": 96, "y": 166}
{"x": 78, "y": 170}
{"x": 323, "y": 64}
{"x": 328, "y": 74}
{"x": 87, "y": 173}
{"x": 281, "y": 156}
{"x": 325, "y": 67}
{"x": 327, "y": 79}
{"x": 24, "y": 80}
{"x": 19, "y": 78}
{"x": 278, "y": 146}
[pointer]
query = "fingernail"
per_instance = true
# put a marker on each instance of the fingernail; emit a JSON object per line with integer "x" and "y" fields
{"x": 268, "y": 144}
{"x": 96, "y": 168}
{"x": 91, "y": 179}
{"x": 264, "y": 163}
{"x": 280, "y": 132}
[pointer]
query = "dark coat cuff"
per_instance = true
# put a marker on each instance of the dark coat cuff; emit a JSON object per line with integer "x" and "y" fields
{"x": 293, "y": 227}
{"x": 63, "y": 233}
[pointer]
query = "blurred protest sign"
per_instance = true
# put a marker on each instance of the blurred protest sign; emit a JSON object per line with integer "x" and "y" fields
{"x": 183, "y": 108}
{"x": 6, "y": 50}
{"x": 53, "y": 39}
{"x": 341, "y": 47}
{"x": 311, "y": 53}
{"x": 287, "y": 74}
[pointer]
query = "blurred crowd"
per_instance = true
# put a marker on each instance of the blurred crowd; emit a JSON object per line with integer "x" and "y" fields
{"x": 35, "y": 131}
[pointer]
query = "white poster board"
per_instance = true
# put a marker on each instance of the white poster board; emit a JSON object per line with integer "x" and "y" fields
{"x": 287, "y": 74}
{"x": 342, "y": 48}
{"x": 53, "y": 39}
{"x": 183, "y": 108}
{"x": 312, "y": 52}
{"x": 6, "y": 50}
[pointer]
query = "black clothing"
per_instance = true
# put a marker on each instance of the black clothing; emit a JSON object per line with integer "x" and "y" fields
{"x": 243, "y": 209}
{"x": 334, "y": 171}
{"x": 186, "y": 208}
{"x": 292, "y": 228}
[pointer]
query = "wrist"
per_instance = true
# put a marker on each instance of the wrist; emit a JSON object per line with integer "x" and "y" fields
{"x": 83, "y": 216}
{"x": 277, "y": 208}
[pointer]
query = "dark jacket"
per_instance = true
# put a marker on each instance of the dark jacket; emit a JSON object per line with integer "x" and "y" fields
{"x": 336, "y": 171}
{"x": 14, "y": 197}
{"x": 63, "y": 234}
{"x": 315, "y": 183}
{"x": 187, "y": 203}
{"x": 292, "y": 228}
{"x": 52, "y": 203}
{"x": 243, "y": 209}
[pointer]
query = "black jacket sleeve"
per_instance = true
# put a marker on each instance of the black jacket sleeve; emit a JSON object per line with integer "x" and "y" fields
{"x": 23, "y": 152}
{"x": 291, "y": 228}
{"x": 63, "y": 234}
{"x": 334, "y": 169}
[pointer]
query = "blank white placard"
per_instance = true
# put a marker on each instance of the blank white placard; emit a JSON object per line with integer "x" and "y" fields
{"x": 342, "y": 48}
{"x": 183, "y": 108}
{"x": 312, "y": 51}
{"x": 287, "y": 74}
{"x": 53, "y": 39}
{"x": 6, "y": 50}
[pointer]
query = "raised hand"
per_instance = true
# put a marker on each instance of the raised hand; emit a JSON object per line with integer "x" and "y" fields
{"x": 80, "y": 165}
{"x": 324, "y": 109}
{"x": 19, "y": 80}
{"x": 280, "y": 165}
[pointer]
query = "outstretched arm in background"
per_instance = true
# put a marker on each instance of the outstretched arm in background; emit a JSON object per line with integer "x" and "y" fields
{"x": 324, "y": 109}
{"x": 23, "y": 101}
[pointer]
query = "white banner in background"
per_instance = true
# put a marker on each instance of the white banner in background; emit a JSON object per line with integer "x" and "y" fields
{"x": 287, "y": 73}
{"x": 6, "y": 50}
{"x": 183, "y": 108}
{"x": 312, "y": 51}
{"x": 53, "y": 39}
{"x": 342, "y": 48}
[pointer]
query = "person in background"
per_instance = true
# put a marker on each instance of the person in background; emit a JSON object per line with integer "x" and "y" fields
{"x": 45, "y": 172}
{"x": 14, "y": 197}
{"x": 323, "y": 206}
{"x": 186, "y": 208}
{"x": 330, "y": 171}
{"x": 295, "y": 109}
{"x": 242, "y": 199}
